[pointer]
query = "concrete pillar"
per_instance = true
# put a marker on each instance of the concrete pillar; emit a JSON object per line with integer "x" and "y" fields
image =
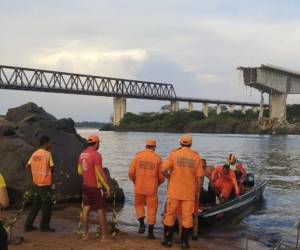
{"x": 231, "y": 108}
{"x": 219, "y": 109}
{"x": 174, "y": 106}
{"x": 243, "y": 109}
{"x": 261, "y": 107}
{"x": 119, "y": 109}
{"x": 190, "y": 106}
{"x": 254, "y": 109}
{"x": 205, "y": 109}
{"x": 277, "y": 106}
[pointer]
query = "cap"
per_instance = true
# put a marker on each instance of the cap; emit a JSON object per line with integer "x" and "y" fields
{"x": 186, "y": 140}
{"x": 151, "y": 142}
{"x": 93, "y": 138}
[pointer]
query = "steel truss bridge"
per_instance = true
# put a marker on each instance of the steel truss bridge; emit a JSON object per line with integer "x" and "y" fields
{"x": 28, "y": 79}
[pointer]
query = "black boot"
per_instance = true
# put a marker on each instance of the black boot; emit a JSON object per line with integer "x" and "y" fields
{"x": 168, "y": 233}
{"x": 150, "y": 232}
{"x": 185, "y": 238}
{"x": 142, "y": 228}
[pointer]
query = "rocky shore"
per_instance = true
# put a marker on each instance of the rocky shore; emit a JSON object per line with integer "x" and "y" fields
{"x": 20, "y": 130}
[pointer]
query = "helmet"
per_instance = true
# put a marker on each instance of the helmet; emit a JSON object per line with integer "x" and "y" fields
{"x": 231, "y": 159}
{"x": 151, "y": 143}
{"x": 186, "y": 140}
{"x": 93, "y": 139}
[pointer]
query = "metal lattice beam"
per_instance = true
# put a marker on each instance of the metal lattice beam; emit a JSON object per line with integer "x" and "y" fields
{"x": 18, "y": 78}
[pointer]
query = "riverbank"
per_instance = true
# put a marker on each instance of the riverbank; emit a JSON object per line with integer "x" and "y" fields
{"x": 65, "y": 219}
{"x": 195, "y": 122}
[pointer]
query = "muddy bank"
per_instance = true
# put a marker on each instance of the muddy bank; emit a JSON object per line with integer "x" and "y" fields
{"x": 65, "y": 220}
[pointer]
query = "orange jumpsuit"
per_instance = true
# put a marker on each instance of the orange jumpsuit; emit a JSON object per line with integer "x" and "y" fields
{"x": 145, "y": 173}
{"x": 224, "y": 183}
{"x": 185, "y": 167}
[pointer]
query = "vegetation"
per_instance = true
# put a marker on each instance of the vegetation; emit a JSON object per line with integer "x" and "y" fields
{"x": 85, "y": 124}
{"x": 183, "y": 121}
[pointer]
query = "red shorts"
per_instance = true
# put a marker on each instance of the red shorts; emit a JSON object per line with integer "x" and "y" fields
{"x": 92, "y": 196}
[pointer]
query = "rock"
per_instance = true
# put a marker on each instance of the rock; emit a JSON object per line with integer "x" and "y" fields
{"x": 17, "y": 114}
{"x": 20, "y": 131}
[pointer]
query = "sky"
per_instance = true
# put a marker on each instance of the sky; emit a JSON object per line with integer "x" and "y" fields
{"x": 194, "y": 45}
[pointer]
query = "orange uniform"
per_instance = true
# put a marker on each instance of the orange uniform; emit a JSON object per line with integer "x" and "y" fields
{"x": 41, "y": 164}
{"x": 185, "y": 167}
{"x": 145, "y": 173}
{"x": 224, "y": 182}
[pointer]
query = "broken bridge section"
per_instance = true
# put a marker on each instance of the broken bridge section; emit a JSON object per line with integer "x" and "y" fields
{"x": 277, "y": 81}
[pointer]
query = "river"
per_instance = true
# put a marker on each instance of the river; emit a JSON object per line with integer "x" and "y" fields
{"x": 272, "y": 158}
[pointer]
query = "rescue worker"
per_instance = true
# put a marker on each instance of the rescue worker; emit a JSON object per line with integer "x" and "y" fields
{"x": 238, "y": 168}
{"x": 94, "y": 183}
{"x": 145, "y": 173}
{"x": 184, "y": 168}
{"x": 207, "y": 197}
{"x": 41, "y": 167}
{"x": 224, "y": 181}
{"x": 4, "y": 202}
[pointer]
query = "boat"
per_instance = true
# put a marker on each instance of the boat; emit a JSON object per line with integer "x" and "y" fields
{"x": 215, "y": 214}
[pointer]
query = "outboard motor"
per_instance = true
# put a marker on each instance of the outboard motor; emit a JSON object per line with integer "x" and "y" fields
{"x": 249, "y": 182}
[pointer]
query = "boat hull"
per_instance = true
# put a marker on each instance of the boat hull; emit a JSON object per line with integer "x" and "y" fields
{"x": 233, "y": 207}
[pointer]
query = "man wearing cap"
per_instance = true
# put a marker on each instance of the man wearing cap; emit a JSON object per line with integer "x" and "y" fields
{"x": 94, "y": 184}
{"x": 145, "y": 173}
{"x": 184, "y": 168}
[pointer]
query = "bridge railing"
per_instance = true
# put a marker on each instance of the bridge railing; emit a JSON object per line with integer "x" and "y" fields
{"x": 19, "y": 78}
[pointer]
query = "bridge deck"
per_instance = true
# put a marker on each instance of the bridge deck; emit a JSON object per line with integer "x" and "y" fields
{"x": 28, "y": 79}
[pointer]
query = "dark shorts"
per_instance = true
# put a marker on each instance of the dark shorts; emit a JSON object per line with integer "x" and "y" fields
{"x": 93, "y": 197}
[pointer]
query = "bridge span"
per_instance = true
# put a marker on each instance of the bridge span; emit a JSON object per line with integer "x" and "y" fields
{"x": 29, "y": 79}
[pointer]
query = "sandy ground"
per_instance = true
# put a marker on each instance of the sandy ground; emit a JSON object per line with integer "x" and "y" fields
{"x": 64, "y": 220}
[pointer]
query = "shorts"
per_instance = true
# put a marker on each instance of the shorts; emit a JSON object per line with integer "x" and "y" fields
{"x": 94, "y": 197}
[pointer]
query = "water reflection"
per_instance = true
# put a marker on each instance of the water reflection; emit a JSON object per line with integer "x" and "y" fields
{"x": 275, "y": 159}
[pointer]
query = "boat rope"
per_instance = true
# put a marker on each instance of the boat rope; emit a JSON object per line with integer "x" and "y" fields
{"x": 79, "y": 228}
{"x": 27, "y": 198}
{"x": 297, "y": 225}
{"x": 298, "y": 233}
{"x": 114, "y": 230}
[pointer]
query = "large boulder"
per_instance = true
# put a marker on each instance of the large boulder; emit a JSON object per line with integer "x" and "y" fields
{"x": 20, "y": 131}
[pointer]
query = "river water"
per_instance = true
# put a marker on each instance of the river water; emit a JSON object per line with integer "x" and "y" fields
{"x": 274, "y": 159}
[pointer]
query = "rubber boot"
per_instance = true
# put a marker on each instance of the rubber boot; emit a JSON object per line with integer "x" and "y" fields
{"x": 185, "y": 238}
{"x": 168, "y": 234}
{"x": 142, "y": 228}
{"x": 150, "y": 232}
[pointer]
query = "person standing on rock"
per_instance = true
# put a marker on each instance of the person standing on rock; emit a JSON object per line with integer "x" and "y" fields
{"x": 184, "y": 168}
{"x": 4, "y": 202}
{"x": 145, "y": 173}
{"x": 41, "y": 167}
{"x": 94, "y": 183}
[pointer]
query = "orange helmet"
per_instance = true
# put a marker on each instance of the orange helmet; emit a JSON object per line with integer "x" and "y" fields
{"x": 151, "y": 143}
{"x": 186, "y": 140}
{"x": 231, "y": 159}
{"x": 93, "y": 139}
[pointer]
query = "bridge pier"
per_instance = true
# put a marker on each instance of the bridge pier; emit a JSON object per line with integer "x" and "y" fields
{"x": 190, "y": 107}
{"x": 231, "y": 109}
{"x": 277, "y": 104}
{"x": 119, "y": 109}
{"x": 174, "y": 106}
{"x": 243, "y": 109}
{"x": 205, "y": 109}
{"x": 219, "y": 109}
